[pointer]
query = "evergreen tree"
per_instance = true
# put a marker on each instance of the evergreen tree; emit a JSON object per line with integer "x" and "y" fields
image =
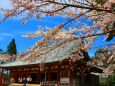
{"x": 11, "y": 49}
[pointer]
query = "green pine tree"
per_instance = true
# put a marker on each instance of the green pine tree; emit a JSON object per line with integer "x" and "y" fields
{"x": 11, "y": 49}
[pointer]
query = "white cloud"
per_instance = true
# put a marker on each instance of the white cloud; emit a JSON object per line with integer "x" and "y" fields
{"x": 6, "y": 35}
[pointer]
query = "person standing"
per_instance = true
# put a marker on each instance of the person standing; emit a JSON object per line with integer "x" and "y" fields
{"x": 20, "y": 80}
{"x": 29, "y": 79}
{"x": 24, "y": 81}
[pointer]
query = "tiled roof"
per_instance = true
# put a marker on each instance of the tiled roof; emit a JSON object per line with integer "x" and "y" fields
{"x": 57, "y": 54}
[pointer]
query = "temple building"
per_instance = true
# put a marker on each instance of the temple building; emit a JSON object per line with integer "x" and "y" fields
{"x": 58, "y": 65}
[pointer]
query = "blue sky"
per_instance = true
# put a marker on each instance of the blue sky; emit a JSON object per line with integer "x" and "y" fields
{"x": 13, "y": 28}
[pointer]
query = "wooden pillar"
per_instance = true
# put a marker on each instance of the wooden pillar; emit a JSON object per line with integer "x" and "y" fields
{"x": 58, "y": 74}
{"x": 1, "y": 78}
{"x": 49, "y": 75}
{"x": 70, "y": 75}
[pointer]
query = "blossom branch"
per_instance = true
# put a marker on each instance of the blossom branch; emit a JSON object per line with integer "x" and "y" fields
{"x": 84, "y": 7}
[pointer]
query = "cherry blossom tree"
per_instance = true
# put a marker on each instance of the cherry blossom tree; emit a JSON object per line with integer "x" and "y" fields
{"x": 100, "y": 12}
{"x": 104, "y": 58}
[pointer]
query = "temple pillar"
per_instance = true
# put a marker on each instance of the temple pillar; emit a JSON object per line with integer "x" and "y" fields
{"x": 49, "y": 75}
{"x": 69, "y": 75}
{"x": 58, "y": 74}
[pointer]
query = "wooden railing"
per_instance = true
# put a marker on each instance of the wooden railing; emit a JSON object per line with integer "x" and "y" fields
{"x": 48, "y": 83}
{"x": 57, "y": 83}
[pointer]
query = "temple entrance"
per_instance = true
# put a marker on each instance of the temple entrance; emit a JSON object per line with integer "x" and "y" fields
{"x": 54, "y": 76}
{"x": 44, "y": 76}
{"x": 33, "y": 76}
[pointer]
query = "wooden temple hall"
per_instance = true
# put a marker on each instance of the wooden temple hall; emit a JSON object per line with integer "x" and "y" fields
{"x": 57, "y": 67}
